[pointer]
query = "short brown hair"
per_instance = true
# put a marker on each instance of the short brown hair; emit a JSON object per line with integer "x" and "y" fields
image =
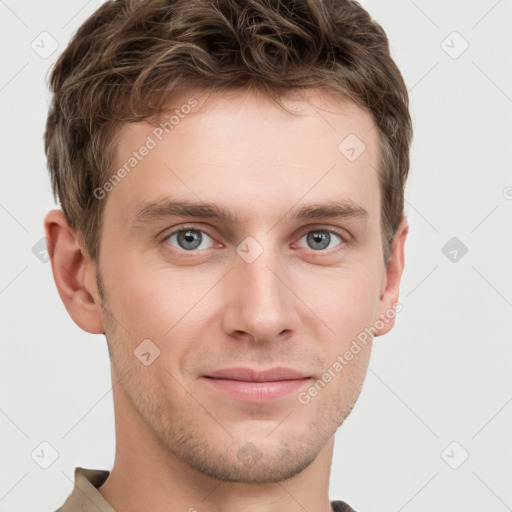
{"x": 128, "y": 58}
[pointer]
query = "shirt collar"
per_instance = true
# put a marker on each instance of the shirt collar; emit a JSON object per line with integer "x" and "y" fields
{"x": 85, "y": 495}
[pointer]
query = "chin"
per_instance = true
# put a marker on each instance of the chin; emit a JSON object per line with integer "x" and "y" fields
{"x": 251, "y": 465}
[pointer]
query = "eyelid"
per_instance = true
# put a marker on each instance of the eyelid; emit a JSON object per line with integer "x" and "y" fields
{"x": 344, "y": 237}
{"x": 187, "y": 228}
{"x": 170, "y": 230}
{"x": 342, "y": 233}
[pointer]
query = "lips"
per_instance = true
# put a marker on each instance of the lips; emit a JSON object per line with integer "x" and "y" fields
{"x": 257, "y": 386}
{"x": 250, "y": 375}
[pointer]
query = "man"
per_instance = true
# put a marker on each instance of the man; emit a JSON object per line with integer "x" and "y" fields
{"x": 231, "y": 175}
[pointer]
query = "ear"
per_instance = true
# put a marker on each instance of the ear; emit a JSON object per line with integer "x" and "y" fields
{"x": 391, "y": 280}
{"x": 74, "y": 273}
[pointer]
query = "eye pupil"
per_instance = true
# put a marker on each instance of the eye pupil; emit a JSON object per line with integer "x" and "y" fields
{"x": 189, "y": 239}
{"x": 319, "y": 237}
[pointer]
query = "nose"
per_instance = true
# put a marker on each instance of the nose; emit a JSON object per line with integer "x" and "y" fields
{"x": 260, "y": 303}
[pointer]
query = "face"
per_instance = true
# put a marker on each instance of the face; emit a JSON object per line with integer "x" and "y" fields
{"x": 220, "y": 325}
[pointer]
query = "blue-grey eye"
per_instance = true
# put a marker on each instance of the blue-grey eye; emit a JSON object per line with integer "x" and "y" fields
{"x": 321, "y": 239}
{"x": 189, "y": 239}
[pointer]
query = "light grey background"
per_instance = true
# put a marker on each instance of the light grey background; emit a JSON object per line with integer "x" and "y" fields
{"x": 442, "y": 375}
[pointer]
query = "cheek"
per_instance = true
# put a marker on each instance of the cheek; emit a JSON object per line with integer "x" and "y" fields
{"x": 152, "y": 301}
{"x": 349, "y": 303}
{"x": 137, "y": 298}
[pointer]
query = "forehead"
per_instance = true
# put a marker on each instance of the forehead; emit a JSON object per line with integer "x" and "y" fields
{"x": 245, "y": 152}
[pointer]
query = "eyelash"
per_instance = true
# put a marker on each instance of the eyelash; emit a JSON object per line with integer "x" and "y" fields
{"x": 341, "y": 234}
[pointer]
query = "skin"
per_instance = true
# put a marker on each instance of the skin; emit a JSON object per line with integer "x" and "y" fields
{"x": 179, "y": 439}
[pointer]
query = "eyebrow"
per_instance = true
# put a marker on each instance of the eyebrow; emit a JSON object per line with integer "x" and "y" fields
{"x": 171, "y": 208}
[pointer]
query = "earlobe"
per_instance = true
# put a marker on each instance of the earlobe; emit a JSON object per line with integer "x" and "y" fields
{"x": 71, "y": 269}
{"x": 391, "y": 280}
